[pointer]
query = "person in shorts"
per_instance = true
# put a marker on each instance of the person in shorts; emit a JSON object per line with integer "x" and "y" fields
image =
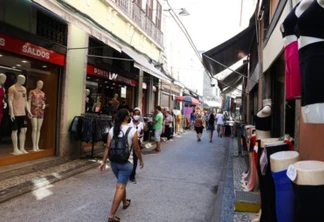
{"x": 220, "y": 124}
{"x": 199, "y": 127}
{"x": 122, "y": 171}
{"x": 157, "y": 126}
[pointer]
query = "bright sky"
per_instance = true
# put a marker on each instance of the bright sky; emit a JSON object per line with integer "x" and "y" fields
{"x": 211, "y": 22}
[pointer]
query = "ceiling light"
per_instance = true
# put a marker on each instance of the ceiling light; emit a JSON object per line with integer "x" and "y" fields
{"x": 14, "y": 67}
{"x": 0, "y": 55}
{"x": 18, "y": 65}
{"x": 24, "y": 61}
{"x": 44, "y": 66}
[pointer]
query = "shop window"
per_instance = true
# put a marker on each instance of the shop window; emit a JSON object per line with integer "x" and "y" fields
{"x": 51, "y": 29}
{"x": 33, "y": 71}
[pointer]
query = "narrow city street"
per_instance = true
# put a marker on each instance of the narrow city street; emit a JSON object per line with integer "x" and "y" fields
{"x": 178, "y": 184}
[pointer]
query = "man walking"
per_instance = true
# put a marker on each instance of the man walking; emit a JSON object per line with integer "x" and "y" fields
{"x": 157, "y": 126}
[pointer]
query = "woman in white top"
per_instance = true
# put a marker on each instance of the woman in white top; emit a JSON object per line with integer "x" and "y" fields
{"x": 122, "y": 171}
{"x": 220, "y": 124}
{"x": 139, "y": 126}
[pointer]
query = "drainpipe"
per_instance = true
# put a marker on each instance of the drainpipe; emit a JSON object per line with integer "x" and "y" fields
{"x": 261, "y": 87}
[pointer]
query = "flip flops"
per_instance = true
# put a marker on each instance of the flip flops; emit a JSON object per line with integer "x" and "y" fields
{"x": 129, "y": 202}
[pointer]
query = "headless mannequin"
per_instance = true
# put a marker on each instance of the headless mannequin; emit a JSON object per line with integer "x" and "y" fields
{"x": 312, "y": 113}
{"x": 280, "y": 161}
{"x": 263, "y": 113}
{"x": 36, "y": 102}
{"x": 17, "y": 110}
{"x": 3, "y": 104}
{"x": 308, "y": 187}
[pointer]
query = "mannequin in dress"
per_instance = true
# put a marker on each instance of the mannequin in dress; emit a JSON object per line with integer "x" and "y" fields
{"x": 308, "y": 183}
{"x": 263, "y": 120}
{"x": 310, "y": 15}
{"x": 18, "y": 105}
{"x": 36, "y": 100}
{"x": 3, "y": 104}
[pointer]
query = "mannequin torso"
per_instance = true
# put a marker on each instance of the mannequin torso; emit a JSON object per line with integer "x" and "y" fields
{"x": 309, "y": 173}
{"x": 3, "y": 104}
{"x": 263, "y": 121}
{"x": 280, "y": 161}
{"x": 18, "y": 93}
{"x": 310, "y": 15}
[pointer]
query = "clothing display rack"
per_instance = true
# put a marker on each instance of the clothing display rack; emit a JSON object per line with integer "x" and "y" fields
{"x": 91, "y": 128}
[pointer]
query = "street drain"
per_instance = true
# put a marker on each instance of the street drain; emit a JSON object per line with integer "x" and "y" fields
{"x": 214, "y": 189}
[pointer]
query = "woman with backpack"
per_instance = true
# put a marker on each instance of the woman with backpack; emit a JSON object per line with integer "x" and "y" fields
{"x": 121, "y": 138}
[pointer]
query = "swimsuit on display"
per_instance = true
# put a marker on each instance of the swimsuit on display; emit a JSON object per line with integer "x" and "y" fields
{"x": 2, "y": 94}
{"x": 39, "y": 99}
{"x": 311, "y": 56}
{"x": 262, "y": 123}
{"x": 293, "y": 78}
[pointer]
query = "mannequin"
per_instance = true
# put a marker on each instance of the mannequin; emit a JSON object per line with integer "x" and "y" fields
{"x": 310, "y": 14}
{"x": 18, "y": 106}
{"x": 115, "y": 102}
{"x": 87, "y": 100}
{"x": 263, "y": 120}
{"x": 36, "y": 100}
{"x": 3, "y": 104}
{"x": 292, "y": 72}
{"x": 308, "y": 184}
{"x": 280, "y": 162}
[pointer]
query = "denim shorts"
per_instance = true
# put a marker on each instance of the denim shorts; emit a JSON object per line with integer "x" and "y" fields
{"x": 122, "y": 171}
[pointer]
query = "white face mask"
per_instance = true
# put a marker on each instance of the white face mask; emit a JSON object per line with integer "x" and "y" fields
{"x": 136, "y": 118}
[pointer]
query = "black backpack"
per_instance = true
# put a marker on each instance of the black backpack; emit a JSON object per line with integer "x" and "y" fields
{"x": 119, "y": 150}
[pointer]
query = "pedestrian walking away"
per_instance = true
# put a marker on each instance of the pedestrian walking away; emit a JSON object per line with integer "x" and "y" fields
{"x": 220, "y": 124}
{"x": 199, "y": 127}
{"x": 211, "y": 126}
{"x": 121, "y": 169}
{"x": 139, "y": 126}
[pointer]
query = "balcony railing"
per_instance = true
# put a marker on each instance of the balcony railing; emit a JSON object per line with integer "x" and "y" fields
{"x": 138, "y": 15}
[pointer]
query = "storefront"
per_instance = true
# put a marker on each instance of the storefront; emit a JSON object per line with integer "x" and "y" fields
{"x": 41, "y": 70}
{"x": 105, "y": 85}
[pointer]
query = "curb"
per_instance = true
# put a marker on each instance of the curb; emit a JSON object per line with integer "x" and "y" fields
{"x": 30, "y": 185}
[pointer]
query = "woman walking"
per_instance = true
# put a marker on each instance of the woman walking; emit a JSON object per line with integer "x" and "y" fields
{"x": 199, "y": 127}
{"x": 211, "y": 126}
{"x": 123, "y": 170}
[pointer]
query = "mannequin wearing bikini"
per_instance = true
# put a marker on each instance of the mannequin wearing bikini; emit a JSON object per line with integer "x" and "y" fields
{"x": 292, "y": 70}
{"x": 3, "y": 104}
{"x": 17, "y": 100}
{"x": 310, "y": 13}
{"x": 36, "y": 100}
{"x": 263, "y": 120}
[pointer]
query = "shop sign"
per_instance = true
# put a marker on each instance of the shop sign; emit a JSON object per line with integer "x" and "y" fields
{"x": 94, "y": 71}
{"x": 27, "y": 49}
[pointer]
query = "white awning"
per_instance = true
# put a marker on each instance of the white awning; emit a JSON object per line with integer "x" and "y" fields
{"x": 142, "y": 63}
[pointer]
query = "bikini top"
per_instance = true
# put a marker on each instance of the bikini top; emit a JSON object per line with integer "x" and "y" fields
{"x": 311, "y": 22}
{"x": 262, "y": 123}
{"x": 289, "y": 25}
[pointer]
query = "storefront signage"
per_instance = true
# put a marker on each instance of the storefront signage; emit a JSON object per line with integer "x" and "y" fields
{"x": 27, "y": 49}
{"x": 94, "y": 71}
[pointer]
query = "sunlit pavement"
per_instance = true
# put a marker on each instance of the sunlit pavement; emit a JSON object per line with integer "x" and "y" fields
{"x": 178, "y": 184}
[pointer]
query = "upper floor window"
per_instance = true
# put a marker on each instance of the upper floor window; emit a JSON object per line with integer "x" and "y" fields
{"x": 51, "y": 28}
{"x": 95, "y": 47}
{"x": 149, "y": 9}
{"x": 158, "y": 15}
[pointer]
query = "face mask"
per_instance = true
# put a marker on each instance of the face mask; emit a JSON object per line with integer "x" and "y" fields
{"x": 136, "y": 118}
